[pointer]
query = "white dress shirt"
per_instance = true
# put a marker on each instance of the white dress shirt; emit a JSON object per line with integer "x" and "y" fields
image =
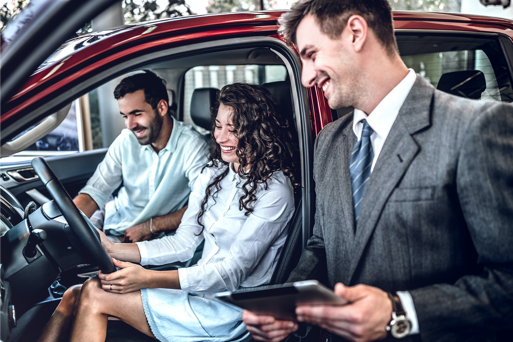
{"x": 240, "y": 250}
{"x": 381, "y": 120}
{"x": 154, "y": 184}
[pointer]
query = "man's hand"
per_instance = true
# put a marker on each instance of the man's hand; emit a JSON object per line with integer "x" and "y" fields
{"x": 141, "y": 232}
{"x": 363, "y": 319}
{"x": 129, "y": 278}
{"x": 266, "y": 328}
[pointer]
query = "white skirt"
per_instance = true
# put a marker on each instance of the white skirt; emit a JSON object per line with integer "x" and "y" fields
{"x": 175, "y": 315}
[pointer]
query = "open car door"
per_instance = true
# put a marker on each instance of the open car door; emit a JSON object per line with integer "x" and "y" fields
{"x": 37, "y": 32}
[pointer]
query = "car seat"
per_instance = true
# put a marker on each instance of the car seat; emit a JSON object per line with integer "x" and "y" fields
{"x": 466, "y": 83}
{"x": 202, "y": 100}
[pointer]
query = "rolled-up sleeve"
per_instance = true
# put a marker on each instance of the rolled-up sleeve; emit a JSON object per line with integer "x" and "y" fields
{"x": 108, "y": 175}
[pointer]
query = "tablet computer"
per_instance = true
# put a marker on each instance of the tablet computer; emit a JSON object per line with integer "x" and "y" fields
{"x": 280, "y": 301}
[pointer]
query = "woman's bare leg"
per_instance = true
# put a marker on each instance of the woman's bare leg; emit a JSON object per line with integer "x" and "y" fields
{"x": 96, "y": 304}
{"x": 59, "y": 325}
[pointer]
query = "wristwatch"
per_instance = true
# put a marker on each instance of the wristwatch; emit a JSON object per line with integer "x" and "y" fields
{"x": 400, "y": 325}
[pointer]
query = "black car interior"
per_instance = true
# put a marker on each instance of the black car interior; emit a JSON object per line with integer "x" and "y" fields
{"x": 51, "y": 245}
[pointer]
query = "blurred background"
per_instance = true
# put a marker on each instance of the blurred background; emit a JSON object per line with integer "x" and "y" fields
{"x": 132, "y": 11}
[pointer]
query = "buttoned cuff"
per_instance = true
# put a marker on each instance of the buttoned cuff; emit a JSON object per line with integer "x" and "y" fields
{"x": 184, "y": 281}
{"x": 409, "y": 308}
{"x": 98, "y": 197}
{"x": 143, "y": 251}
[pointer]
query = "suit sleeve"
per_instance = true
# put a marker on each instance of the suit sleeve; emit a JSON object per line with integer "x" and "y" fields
{"x": 482, "y": 301}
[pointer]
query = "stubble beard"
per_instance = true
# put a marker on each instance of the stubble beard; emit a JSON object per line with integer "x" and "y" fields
{"x": 153, "y": 130}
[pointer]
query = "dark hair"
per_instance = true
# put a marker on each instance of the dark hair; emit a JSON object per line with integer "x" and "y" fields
{"x": 264, "y": 139}
{"x": 332, "y": 16}
{"x": 154, "y": 87}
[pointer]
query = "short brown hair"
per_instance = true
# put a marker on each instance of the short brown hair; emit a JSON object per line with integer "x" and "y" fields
{"x": 332, "y": 16}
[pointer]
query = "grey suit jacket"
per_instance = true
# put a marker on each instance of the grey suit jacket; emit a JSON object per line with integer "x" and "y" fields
{"x": 436, "y": 218}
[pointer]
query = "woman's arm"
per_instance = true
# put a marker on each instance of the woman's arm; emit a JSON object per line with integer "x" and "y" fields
{"x": 254, "y": 247}
{"x": 132, "y": 277}
{"x": 121, "y": 251}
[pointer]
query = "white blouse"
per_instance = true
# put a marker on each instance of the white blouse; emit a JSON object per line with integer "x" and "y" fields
{"x": 239, "y": 251}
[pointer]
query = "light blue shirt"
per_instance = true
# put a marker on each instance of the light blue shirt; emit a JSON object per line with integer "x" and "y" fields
{"x": 154, "y": 184}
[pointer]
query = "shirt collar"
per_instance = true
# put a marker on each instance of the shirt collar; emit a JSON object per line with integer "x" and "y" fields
{"x": 172, "y": 141}
{"x": 383, "y": 116}
{"x": 232, "y": 175}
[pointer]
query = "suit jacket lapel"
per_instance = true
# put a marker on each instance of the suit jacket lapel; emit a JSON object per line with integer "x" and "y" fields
{"x": 398, "y": 152}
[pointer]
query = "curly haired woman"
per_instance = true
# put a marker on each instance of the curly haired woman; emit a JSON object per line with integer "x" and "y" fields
{"x": 240, "y": 205}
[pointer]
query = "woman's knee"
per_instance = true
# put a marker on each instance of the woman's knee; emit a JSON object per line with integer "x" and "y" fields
{"x": 69, "y": 299}
{"x": 90, "y": 294}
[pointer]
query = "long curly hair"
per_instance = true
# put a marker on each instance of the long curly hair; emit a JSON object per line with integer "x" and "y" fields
{"x": 264, "y": 143}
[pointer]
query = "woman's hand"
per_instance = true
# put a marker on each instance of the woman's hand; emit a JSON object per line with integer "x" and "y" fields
{"x": 129, "y": 278}
{"x": 106, "y": 243}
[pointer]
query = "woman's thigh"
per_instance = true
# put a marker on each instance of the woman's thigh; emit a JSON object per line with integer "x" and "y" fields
{"x": 127, "y": 307}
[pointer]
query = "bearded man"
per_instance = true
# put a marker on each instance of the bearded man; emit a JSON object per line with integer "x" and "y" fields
{"x": 156, "y": 159}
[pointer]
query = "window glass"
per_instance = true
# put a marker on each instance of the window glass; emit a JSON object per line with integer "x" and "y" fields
{"x": 454, "y": 63}
{"x": 94, "y": 115}
{"x": 217, "y": 76}
{"x": 80, "y": 130}
{"x": 472, "y": 67}
{"x": 64, "y": 138}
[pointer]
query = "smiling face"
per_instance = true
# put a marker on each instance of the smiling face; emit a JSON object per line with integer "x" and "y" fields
{"x": 226, "y": 136}
{"x": 140, "y": 118}
{"x": 327, "y": 64}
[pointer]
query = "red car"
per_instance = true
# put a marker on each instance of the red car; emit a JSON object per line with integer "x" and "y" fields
{"x": 468, "y": 56}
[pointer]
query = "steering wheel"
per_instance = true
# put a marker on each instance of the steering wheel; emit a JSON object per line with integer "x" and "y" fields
{"x": 89, "y": 238}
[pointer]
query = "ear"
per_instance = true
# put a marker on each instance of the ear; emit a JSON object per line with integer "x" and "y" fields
{"x": 162, "y": 107}
{"x": 357, "y": 29}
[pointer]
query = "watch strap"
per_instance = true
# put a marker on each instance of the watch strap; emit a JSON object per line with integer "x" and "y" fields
{"x": 397, "y": 306}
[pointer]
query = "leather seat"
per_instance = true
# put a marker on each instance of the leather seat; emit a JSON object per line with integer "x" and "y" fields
{"x": 282, "y": 94}
{"x": 203, "y": 99}
{"x": 466, "y": 83}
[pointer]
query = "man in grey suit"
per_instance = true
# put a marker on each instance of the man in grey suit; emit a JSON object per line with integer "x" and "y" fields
{"x": 414, "y": 207}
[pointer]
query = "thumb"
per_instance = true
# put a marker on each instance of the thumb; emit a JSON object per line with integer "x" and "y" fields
{"x": 121, "y": 264}
{"x": 350, "y": 293}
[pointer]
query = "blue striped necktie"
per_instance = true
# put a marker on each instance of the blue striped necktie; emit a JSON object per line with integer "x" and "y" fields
{"x": 360, "y": 167}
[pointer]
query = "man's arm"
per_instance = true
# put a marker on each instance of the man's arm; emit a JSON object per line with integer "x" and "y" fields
{"x": 85, "y": 203}
{"x": 166, "y": 223}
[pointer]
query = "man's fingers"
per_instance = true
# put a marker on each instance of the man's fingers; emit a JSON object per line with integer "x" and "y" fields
{"x": 275, "y": 331}
{"x": 351, "y": 293}
{"x": 250, "y": 318}
{"x": 323, "y": 312}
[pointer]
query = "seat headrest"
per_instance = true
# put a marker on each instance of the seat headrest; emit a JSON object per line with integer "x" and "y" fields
{"x": 202, "y": 100}
{"x": 283, "y": 96}
{"x": 467, "y": 83}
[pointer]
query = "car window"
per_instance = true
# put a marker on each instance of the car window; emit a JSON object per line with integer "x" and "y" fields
{"x": 467, "y": 66}
{"x": 464, "y": 65}
{"x": 79, "y": 131}
{"x": 217, "y": 76}
{"x": 63, "y": 138}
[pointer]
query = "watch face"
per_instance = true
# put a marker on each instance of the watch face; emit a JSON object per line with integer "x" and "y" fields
{"x": 401, "y": 328}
